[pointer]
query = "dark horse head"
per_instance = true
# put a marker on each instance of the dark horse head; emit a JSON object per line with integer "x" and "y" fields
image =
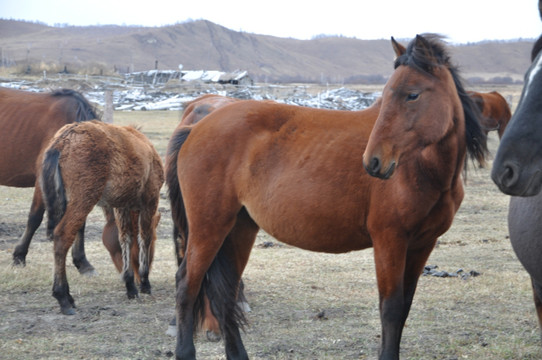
{"x": 517, "y": 169}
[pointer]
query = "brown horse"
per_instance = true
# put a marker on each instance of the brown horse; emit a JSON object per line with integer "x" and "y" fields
{"x": 495, "y": 111}
{"x": 193, "y": 113}
{"x": 115, "y": 167}
{"x": 28, "y": 121}
{"x": 298, "y": 174}
{"x": 203, "y": 106}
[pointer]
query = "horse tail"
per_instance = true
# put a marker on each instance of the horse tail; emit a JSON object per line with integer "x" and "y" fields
{"x": 84, "y": 110}
{"x": 178, "y": 214}
{"x": 52, "y": 186}
{"x": 221, "y": 286}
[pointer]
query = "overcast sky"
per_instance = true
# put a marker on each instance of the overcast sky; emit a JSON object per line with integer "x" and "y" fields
{"x": 460, "y": 20}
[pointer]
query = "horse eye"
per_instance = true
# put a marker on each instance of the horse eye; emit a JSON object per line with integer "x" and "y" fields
{"x": 412, "y": 97}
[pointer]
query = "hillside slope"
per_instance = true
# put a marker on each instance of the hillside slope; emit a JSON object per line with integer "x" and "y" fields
{"x": 204, "y": 45}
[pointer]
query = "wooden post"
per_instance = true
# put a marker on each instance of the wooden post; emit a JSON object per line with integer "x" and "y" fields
{"x": 108, "y": 111}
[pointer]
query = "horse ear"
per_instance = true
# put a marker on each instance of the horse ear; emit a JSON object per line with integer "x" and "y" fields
{"x": 398, "y": 48}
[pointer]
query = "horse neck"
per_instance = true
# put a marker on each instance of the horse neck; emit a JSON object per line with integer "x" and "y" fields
{"x": 442, "y": 163}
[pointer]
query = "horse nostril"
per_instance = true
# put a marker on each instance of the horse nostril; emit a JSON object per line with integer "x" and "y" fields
{"x": 374, "y": 165}
{"x": 510, "y": 175}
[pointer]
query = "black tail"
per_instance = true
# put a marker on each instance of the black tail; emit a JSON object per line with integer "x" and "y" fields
{"x": 222, "y": 288}
{"x": 178, "y": 214}
{"x": 52, "y": 188}
{"x": 221, "y": 285}
{"x": 83, "y": 109}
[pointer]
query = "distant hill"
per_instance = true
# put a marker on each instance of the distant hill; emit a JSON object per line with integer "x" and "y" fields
{"x": 204, "y": 45}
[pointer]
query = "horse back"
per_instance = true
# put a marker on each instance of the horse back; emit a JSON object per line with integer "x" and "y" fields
{"x": 118, "y": 162}
{"x": 27, "y": 122}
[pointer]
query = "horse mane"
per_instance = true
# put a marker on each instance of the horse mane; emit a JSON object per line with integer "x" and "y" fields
{"x": 432, "y": 54}
{"x": 84, "y": 110}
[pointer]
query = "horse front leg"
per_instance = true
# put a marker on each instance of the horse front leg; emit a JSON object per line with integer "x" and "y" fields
{"x": 537, "y": 297}
{"x": 398, "y": 270}
{"x": 125, "y": 227}
{"x": 35, "y": 216}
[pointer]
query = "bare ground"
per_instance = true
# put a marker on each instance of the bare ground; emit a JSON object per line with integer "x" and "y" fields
{"x": 304, "y": 305}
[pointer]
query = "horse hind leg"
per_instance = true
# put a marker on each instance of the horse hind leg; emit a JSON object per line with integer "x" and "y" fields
{"x": 202, "y": 249}
{"x": 148, "y": 221}
{"x": 63, "y": 237}
{"x": 79, "y": 256}
{"x": 125, "y": 227}
{"x": 35, "y": 216}
{"x": 230, "y": 263}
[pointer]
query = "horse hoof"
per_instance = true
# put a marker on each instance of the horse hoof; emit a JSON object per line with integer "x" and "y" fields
{"x": 146, "y": 289}
{"x": 132, "y": 295}
{"x": 212, "y": 336}
{"x": 88, "y": 271}
{"x": 19, "y": 262}
{"x": 68, "y": 311}
{"x": 171, "y": 330}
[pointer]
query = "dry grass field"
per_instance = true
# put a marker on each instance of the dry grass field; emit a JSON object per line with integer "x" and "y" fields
{"x": 304, "y": 305}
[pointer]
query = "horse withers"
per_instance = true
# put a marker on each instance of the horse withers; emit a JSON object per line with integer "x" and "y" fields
{"x": 297, "y": 173}
{"x": 517, "y": 171}
{"x": 115, "y": 167}
{"x": 28, "y": 120}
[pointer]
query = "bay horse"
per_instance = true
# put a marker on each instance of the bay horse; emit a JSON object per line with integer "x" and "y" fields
{"x": 28, "y": 120}
{"x": 192, "y": 114}
{"x": 517, "y": 171}
{"x": 495, "y": 110}
{"x": 298, "y": 173}
{"x": 114, "y": 167}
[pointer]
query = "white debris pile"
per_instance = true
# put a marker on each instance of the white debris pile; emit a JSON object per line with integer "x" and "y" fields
{"x": 339, "y": 99}
{"x": 137, "y": 98}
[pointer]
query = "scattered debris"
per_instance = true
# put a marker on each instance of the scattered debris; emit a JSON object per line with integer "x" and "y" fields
{"x": 431, "y": 270}
{"x": 320, "y": 315}
{"x": 266, "y": 244}
{"x": 132, "y": 97}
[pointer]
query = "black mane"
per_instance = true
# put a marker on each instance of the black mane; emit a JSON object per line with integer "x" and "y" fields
{"x": 428, "y": 52}
{"x": 84, "y": 110}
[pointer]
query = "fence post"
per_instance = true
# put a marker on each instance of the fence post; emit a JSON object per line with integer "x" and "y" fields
{"x": 108, "y": 111}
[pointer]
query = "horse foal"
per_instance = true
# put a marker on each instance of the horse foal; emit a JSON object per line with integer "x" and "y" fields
{"x": 115, "y": 167}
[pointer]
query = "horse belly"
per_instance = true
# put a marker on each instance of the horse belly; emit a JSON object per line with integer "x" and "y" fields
{"x": 314, "y": 229}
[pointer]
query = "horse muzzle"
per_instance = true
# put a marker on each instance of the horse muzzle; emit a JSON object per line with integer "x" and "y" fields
{"x": 513, "y": 180}
{"x": 374, "y": 167}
